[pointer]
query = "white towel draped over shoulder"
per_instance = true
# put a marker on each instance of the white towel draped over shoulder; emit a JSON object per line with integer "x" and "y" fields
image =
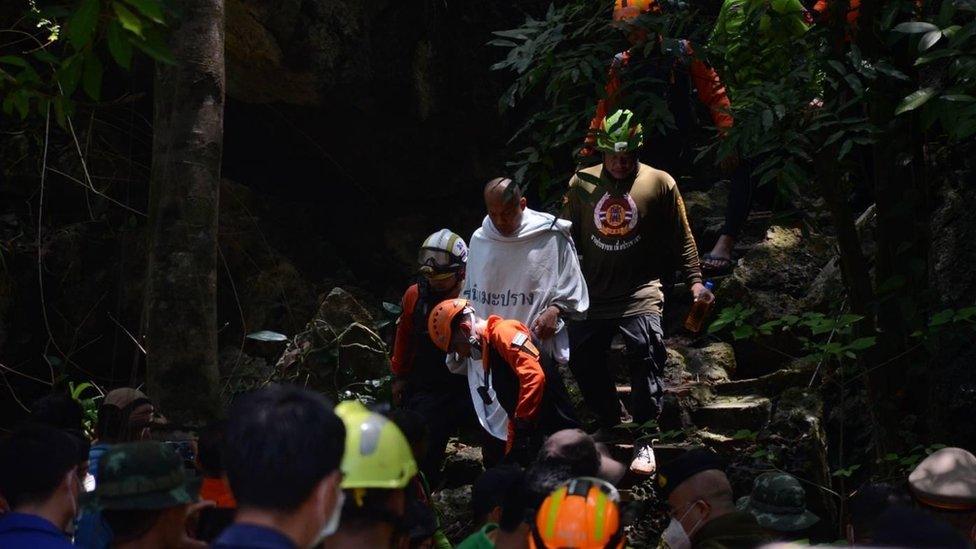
{"x": 518, "y": 277}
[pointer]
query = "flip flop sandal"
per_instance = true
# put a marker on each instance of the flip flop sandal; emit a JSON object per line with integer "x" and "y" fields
{"x": 724, "y": 265}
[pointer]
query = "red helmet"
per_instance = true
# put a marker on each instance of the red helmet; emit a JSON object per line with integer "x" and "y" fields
{"x": 440, "y": 320}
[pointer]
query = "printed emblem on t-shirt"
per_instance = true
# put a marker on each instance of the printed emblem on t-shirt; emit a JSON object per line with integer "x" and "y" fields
{"x": 616, "y": 215}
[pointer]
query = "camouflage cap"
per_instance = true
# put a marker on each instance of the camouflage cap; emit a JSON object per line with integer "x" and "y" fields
{"x": 779, "y": 503}
{"x": 143, "y": 475}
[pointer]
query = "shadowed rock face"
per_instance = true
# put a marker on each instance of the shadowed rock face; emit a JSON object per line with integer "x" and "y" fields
{"x": 774, "y": 278}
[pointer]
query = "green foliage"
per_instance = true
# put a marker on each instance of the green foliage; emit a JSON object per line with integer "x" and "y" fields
{"x": 822, "y": 336}
{"x": 846, "y": 472}
{"x": 945, "y": 53}
{"x": 899, "y": 465}
{"x": 47, "y": 74}
{"x": 89, "y": 404}
{"x": 734, "y": 318}
{"x": 559, "y": 65}
{"x": 809, "y": 102}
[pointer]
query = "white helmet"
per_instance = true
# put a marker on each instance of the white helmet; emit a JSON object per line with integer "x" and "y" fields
{"x": 441, "y": 252}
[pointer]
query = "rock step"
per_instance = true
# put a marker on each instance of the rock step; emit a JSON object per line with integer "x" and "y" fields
{"x": 729, "y": 414}
{"x": 663, "y": 452}
{"x": 768, "y": 385}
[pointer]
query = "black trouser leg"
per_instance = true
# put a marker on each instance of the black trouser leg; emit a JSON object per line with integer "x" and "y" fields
{"x": 444, "y": 412}
{"x": 742, "y": 187}
{"x": 589, "y": 342}
{"x": 645, "y": 360}
{"x": 557, "y": 408}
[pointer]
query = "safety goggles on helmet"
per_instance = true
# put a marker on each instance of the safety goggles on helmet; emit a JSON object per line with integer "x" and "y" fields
{"x": 441, "y": 252}
{"x": 583, "y": 513}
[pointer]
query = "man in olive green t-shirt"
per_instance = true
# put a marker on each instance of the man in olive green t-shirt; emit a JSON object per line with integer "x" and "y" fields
{"x": 628, "y": 223}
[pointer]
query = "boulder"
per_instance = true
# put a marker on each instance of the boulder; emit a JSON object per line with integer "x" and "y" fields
{"x": 827, "y": 289}
{"x": 338, "y": 347}
{"x": 951, "y": 267}
{"x": 240, "y": 370}
{"x": 453, "y": 506}
{"x": 797, "y": 433}
{"x": 462, "y": 464}
{"x": 773, "y": 279}
{"x": 706, "y": 209}
{"x": 713, "y": 363}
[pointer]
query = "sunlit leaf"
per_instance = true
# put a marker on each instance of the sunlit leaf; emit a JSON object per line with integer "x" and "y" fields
{"x": 267, "y": 335}
{"x": 915, "y": 100}
{"x": 148, "y": 8}
{"x": 929, "y": 40}
{"x": 129, "y": 20}
{"x": 915, "y": 27}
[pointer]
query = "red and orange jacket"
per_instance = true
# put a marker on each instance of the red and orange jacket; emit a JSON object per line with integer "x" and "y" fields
{"x": 405, "y": 344}
{"x": 415, "y": 357}
{"x": 218, "y": 491}
{"x": 516, "y": 373}
{"x": 711, "y": 92}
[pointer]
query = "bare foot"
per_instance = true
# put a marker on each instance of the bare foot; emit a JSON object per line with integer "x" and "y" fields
{"x": 721, "y": 255}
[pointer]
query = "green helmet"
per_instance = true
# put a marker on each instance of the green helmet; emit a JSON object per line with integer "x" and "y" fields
{"x": 377, "y": 454}
{"x": 620, "y": 133}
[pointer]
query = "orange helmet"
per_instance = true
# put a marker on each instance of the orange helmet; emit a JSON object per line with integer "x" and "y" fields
{"x": 625, "y": 10}
{"x": 440, "y": 319}
{"x": 581, "y": 514}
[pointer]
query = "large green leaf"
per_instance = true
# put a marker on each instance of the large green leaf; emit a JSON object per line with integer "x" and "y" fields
{"x": 118, "y": 45}
{"x": 91, "y": 79}
{"x": 149, "y": 8}
{"x": 929, "y": 39}
{"x": 129, "y": 20}
{"x": 69, "y": 74}
{"x": 82, "y": 24}
{"x": 13, "y": 60}
{"x": 154, "y": 46}
{"x": 915, "y": 100}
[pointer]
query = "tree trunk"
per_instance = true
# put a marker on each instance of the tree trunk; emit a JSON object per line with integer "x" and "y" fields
{"x": 901, "y": 197}
{"x": 180, "y": 312}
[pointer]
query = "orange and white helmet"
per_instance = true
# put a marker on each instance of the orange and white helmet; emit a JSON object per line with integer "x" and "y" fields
{"x": 626, "y": 10}
{"x": 583, "y": 514}
{"x": 440, "y": 320}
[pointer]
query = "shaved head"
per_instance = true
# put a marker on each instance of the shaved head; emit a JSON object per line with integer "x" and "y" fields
{"x": 504, "y": 189}
{"x": 701, "y": 498}
{"x": 712, "y": 486}
{"x": 505, "y": 204}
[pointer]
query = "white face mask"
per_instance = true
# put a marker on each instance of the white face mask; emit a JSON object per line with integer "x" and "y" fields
{"x": 332, "y": 524}
{"x": 674, "y": 536}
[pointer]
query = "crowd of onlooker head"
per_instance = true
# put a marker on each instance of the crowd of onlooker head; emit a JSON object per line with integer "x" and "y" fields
{"x": 287, "y": 469}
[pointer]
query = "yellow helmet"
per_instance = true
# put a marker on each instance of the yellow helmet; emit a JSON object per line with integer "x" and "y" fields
{"x": 377, "y": 454}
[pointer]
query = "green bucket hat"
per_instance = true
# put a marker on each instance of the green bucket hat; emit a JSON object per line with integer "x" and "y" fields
{"x": 145, "y": 476}
{"x": 779, "y": 503}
